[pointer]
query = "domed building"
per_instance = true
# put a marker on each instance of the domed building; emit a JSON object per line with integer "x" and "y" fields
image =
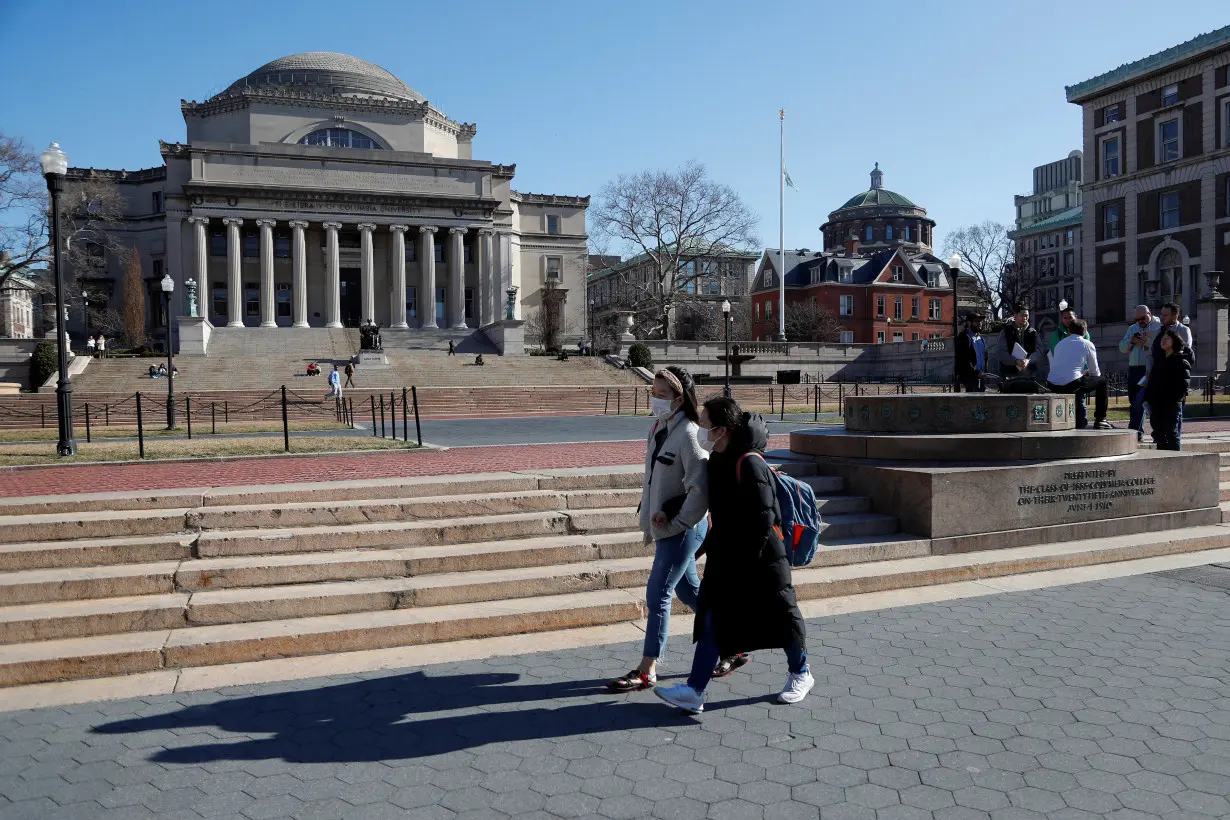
{"x": 322, "y": 191}
{"x": 879, "y": 218}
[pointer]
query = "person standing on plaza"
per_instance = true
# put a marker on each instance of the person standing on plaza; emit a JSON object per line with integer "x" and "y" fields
{"x": 674, "y": 499}
{"x": 1019, "y": 374}
{"x": 335, "y": 385}
{"x": 1167, "y": 388}
{"x": 102, "y": 346}
{"x": 1075, "y": 371}
{"x": 349, "y": 374}
{"x": 1066, "y": 317}
{"x": 1137, "y": 342}
{"x": 972, "y": 355}
{"x": 90, "y": 346}
{"x": 1170, "y": 321}
{"x": 747, "y": 600}
{"x": 452, "y": 348}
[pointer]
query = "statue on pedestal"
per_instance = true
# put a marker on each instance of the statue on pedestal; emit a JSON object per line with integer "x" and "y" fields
{"x": 369, "y": 336}
{"x": 190, "y": 285}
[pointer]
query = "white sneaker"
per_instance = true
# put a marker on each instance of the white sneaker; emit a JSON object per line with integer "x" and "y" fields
{"x": 797, "y": 687}
{"x": 682, "y": 697}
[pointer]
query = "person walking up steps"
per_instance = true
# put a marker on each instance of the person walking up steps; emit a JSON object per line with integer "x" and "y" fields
{"x": 349, "y": 374}
{"x": 673, "y": 503}
{"x": 747, "y": 600}
{"x": 335, "y": 385}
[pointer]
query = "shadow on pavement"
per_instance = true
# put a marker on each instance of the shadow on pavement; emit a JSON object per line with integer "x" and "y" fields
{"x": 374, "y": 720}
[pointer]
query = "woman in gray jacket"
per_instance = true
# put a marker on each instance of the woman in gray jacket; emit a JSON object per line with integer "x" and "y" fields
{"x": 674, "y": 502}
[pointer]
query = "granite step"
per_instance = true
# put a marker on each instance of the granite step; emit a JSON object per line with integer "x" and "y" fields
{"x": 159, "y": 647}
{"x": 94, "y": 552}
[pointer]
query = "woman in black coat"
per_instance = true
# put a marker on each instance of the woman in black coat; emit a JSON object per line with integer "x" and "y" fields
{"x": 1167, "y": 388}
{"x": 747, "y": 599}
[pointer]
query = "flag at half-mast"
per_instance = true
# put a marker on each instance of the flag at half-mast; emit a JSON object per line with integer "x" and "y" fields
{"x": 785, "y": 173}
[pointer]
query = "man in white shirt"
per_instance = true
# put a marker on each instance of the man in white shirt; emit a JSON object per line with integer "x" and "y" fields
{"x": 1069, "y": 360}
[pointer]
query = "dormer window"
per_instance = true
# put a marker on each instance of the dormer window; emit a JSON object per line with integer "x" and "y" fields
{"x": 898, "y": 273}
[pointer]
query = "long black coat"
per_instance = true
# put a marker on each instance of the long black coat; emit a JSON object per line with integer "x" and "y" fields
{"x": 747, "y": 588}
{"x": 1169, "y": 380}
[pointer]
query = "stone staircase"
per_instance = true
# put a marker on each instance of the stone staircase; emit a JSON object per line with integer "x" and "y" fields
{"x": 123, "y": 583}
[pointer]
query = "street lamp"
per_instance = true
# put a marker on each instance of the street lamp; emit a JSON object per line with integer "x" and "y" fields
{"x": 55, "y": 166}
{"x": 593, "y": 334}
{"x": 726, "y": 322}
{"x": 168, "y": 287}
{"x": 954, "y": 265}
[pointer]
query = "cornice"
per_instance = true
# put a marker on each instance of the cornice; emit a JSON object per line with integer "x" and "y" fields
{"x": 550, "y": 199}
{"x": 318, "y": 200}
{"x": 158, "y": 172}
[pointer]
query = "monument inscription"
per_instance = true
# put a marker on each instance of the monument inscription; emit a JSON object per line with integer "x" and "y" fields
{"x": 1088, "y": 490}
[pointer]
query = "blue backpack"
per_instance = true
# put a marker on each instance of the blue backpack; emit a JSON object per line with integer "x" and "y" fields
{"x": 800, "y": 528}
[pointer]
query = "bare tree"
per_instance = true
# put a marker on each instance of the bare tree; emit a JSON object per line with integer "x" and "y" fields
{"x": 548, "y": 324}
{"x": 679, "y": 220}
{"x": 91, "y": 208}
{"x": 134, "y": 301}
{"x": 811, "y": 322}
{"x": 1005, "y": 271}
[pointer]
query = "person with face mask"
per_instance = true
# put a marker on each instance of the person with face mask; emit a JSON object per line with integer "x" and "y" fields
{"x": 674, "y": 501}
{"x": 747, "y": 599}
{"x": 972, "y": 355}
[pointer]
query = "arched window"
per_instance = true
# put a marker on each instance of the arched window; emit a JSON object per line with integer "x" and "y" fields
{"x": 867, "y": 233}
{"x": 1169, "y": 273}
{"x": 888, "y": 233}
{"x": 339, "y": 138}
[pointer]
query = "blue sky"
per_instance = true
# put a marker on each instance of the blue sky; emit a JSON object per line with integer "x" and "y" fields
{"x": 956, "y": 100}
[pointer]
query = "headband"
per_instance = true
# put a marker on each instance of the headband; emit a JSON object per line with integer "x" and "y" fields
{"x": 671, "y": 379}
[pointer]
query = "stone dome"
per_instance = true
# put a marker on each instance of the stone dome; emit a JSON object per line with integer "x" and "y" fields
{"x": 877, "y": 195}
{"x": 329, "y": 72}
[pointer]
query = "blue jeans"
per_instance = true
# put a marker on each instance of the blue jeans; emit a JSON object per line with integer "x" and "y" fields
{"x": 706, "y": 658}
{"x": 674, "y": 572}
{"x": 1136, "y": 395}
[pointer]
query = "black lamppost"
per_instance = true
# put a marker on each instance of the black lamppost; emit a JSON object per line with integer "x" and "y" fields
{"x": 168, "y": 287}
{"x": 55, "y": 166}
{"x": 954, "y": 267}
{"x": 726, "y": 322}
{"x": 593, "y": 334}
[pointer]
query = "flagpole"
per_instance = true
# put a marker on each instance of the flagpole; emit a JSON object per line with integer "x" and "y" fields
{"x": 781, "y": 217}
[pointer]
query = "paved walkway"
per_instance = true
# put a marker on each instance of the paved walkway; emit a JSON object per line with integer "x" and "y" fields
{"x": 1101, "y": 700}
{"x": 352, "y": 466}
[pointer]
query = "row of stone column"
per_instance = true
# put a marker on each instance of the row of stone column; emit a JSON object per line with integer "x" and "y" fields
{"x": 490, "y": 261}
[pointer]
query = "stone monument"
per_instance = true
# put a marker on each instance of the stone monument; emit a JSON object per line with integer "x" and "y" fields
{"x": 983, "y": 470}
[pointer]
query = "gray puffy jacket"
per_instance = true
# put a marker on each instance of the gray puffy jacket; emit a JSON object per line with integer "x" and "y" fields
{"x": 680, "y": 468}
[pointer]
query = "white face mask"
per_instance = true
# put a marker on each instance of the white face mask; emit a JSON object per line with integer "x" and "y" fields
{"x": 662, "y": 408}
{"x": 705, "y": 443}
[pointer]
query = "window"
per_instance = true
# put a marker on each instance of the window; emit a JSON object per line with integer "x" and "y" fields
{"x": 412, "y": 302}
{"x": 439, "y": 251}
{"x": 756, "y": 308}
{"x": 1069, "y": 236}
{"x": 1169, "y": 272}
{"x": 411, "y": 250}
{"x": 768, "y": 311}
{"x": 898, "y": 273}
{"x": 251, "y": 244}
{"x": 469, "y": 303}
{"x": 1069, "y": 263}
{"x": 690, "y": 287}
{"x": 552, "y": 223}
{"x": 339, "y": 138}
{"x": 1110, "y": 157}
{"x": 157, "y": 271}
{"x": 879, "y": 306}
{"x": 283, "y": 300}
{"x": 1168, "y": 141}
{"x": 867, "y": 234}
{"x": 888, "y": 233}
{"x": 217, "y": 242}
{"x": 1113, "y": 113}
{"x": 768, "y": 279}
{"x": 914, "y": 307}
{"x": 897, "y": 313}
{"x": 914, "y": 337}
{"x": 715, "y": 287}
{"x": 906, "y": 234}
{"x": 898, "y": 335}
{"x": 1110, "y": 221}
{"x": 846, "y": 337}
{"x": 156, "y": 202}
{"x": 879, "y": 337}
{"x": 1225, "y": 124}
{"x": 845, "y": 275}
{"x": 441, "y": 295}
{"x": 937, "y": 309}
{"x": 281, "y": 244}
{"x": 847, "y": 305}
{"x": 1170, "y": 94}
{"x": 219, "y": 295}
{"x": 1170, "y": 209}
{"x": 554, "y": 268}
{"x": 251, "y": 299}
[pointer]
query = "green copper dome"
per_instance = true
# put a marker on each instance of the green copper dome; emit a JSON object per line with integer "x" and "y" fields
{"x": 877, "y": 194}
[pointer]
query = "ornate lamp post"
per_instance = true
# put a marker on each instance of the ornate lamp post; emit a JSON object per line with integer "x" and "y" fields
{"x": 168, "y": 287}
{"x": 55, "y": 166}
{"x": 726, "y": 322}
{"x": 593, "y": 334}
{"x": 954, "y": 265}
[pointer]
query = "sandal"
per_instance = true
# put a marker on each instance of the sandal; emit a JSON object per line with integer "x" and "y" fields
{"x": 634, "y": 681}
{"x": 727, "y": 665}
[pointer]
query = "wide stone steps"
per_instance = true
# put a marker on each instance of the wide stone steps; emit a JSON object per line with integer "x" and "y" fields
{"x": 415, "y": 610}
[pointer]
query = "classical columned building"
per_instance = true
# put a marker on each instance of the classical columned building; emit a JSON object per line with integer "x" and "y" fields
{"x": 321, "y": 191}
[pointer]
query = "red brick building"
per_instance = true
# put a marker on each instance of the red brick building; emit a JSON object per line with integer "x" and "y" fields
{"x": 891, "y": 290}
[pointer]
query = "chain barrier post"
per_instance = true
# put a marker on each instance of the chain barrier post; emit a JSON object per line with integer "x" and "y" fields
{"x": 140, "y": 432}
{"x": 418, "y": 428}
